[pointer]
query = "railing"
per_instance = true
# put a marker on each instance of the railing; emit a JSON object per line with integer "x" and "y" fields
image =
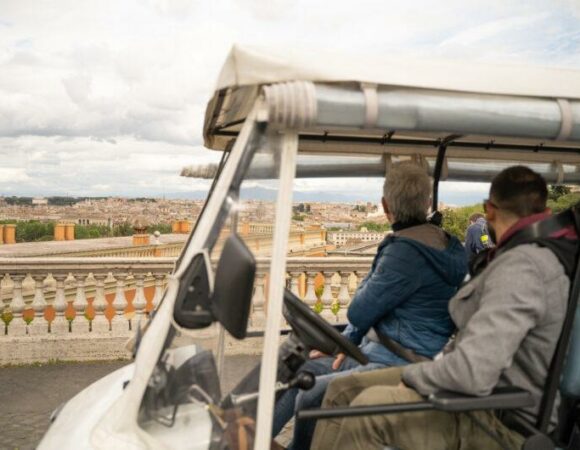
{"x": 106, "y": 297}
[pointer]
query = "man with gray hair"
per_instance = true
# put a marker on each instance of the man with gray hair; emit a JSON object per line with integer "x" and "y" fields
{"x": 399, "y": 313}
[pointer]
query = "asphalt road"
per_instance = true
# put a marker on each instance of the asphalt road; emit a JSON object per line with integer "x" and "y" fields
{"x": 28, "y": 394}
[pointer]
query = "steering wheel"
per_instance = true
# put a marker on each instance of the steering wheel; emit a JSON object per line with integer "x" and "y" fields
{"x": 315, "y": 332}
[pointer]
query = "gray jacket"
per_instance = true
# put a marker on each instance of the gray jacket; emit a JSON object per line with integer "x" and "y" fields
{"x": 509, "y": 320}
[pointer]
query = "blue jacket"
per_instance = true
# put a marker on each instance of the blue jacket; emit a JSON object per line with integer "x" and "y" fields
{"x": 473, "y": 242}
{"x": 405, "y": 296}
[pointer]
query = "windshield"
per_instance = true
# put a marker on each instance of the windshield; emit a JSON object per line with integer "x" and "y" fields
{"x": 199, "y": 368}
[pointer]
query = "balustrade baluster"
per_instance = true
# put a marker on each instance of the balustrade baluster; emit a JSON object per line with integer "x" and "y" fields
{"x": 59, "y": 324}
{"x": 258, "y": 317}
{"x": 343, "y": 294}
{"x": 139, "y": 301}
{"x": 295, "y": 283}
{"x": 100, "y": 323}
{"x": 119, "y": 323}
{"x": 4, "y": 304}
{"x": 17, "y": 326}
{"x": 310, "y": 297}
{"x": 38, "y": 326}
{"x": 360, "y": 275}
{"x": 326, "y": 297}
{"x": 159, "y": 288}
{"x": 80, "y": 324}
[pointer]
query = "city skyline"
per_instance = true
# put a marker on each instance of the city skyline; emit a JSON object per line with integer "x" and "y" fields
{"x": 452, "y": 193}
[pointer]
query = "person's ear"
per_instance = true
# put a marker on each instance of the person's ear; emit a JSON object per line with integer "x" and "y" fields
{"x": 491, "y": 213}
{"x": 548, "y": 211}
{"x": 385, "y": 205}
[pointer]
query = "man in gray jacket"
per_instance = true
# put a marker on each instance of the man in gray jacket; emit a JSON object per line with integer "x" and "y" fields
{"x": 509, "y": 319}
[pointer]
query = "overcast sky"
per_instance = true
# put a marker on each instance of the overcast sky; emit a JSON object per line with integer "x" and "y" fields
{"x": 107, "y": 97}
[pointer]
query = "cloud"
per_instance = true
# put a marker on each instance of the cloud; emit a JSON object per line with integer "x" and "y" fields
{"x": 112, "y": 95}
{"x": 81, "y": 166}
{"x": 8, "y": 176}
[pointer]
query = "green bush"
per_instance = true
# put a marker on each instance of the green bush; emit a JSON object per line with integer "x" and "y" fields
{"x": 456, "y": 221}
{"x": 564, "y": 202}
{"x": 163, "y": 228}
{"x": 34, "y": 230}
{"x": 376, "y": 226}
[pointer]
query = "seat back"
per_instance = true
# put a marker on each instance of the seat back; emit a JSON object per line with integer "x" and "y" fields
{"x": 570, "y": 383}
{"x": 566, "y": 359}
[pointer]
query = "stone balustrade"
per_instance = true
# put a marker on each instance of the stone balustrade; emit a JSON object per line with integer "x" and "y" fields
{"x": 52, "y": 305}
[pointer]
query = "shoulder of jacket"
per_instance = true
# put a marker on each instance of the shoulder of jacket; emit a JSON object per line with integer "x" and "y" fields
{"x": 531, "y": 255}
{"x": 399, "y": 247}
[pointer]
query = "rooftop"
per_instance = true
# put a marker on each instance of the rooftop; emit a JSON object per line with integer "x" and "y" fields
{"x": 54, "y": 248}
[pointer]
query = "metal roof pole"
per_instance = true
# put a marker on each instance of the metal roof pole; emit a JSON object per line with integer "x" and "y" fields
{"x": 288, "y": 148}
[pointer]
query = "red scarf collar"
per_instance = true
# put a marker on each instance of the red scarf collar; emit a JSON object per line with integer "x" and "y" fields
{"x": 520, "y": 225}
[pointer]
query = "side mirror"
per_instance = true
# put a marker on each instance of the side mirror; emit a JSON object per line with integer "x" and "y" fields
{"x": 231, "y": 300}
{"x": 193, "y": 304}
{"x": 234, "y": 286}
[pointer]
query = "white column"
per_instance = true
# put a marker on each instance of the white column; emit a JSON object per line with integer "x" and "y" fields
{"x": 100, "y": 322}
{"x": 17, "y": 326}
{"x": 80, "y": 324}
{"x": 120, "y": 324}
{"x": 59, "y": 324}
{"x": 38, "y": 326}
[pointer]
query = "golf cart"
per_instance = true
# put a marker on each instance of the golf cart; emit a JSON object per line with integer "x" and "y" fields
{"x": 277, "y": 116}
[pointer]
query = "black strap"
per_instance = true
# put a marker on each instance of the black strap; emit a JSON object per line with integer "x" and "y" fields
{"x": 557, "y": 364}
{"x": 437, "y": 175}
{"x": 402, "y": 352}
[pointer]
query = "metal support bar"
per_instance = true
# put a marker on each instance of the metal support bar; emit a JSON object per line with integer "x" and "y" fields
{"x": 439, "y": 163}
{"x": 354, "y": 411}
{"x": 287, "y": 148}
{"x": 437, "y": 175}
{"x": 379, "y": 141}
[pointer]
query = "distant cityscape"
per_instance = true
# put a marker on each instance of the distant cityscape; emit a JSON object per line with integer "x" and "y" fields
{"x": 112, "y": 212}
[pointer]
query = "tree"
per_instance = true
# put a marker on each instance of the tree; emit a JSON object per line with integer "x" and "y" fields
{"x": 564, "y": 202}
{"x": 375, "y": 226}
{"x": 34, "y": 230}
{"x": 91, "y": 231}
{"x": 456, "y": 220}
{"x": 163, "y": 228}
{"x": 558, "y": 190}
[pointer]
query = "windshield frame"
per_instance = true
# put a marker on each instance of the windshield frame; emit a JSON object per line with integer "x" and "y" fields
{"x": 120, "y": 423}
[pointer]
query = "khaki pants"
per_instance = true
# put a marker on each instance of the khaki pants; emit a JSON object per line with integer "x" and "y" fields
{"x": 432, "y": 430}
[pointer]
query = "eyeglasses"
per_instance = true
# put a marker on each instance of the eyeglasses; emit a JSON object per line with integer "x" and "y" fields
{"x": 486, "y": 202}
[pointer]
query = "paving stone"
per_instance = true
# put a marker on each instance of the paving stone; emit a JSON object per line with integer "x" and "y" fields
{"x": 28, "y": 394}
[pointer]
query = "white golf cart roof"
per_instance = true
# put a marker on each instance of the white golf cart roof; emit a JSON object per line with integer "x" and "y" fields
{"x": 487, "y": 116}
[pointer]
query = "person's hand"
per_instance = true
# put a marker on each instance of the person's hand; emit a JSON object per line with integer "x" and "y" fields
{"x": 338, "y": 361}
{"x": 315, "y": 354}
